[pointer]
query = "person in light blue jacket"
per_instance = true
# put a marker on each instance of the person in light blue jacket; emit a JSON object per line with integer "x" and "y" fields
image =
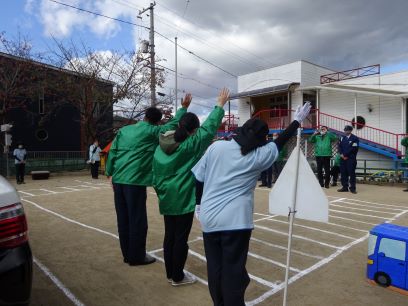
{"x": 226, "y": 177}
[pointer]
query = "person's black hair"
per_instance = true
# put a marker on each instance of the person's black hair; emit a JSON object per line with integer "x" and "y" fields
{"x": 251, "y": 135}
{"x": 153, "y": 115}
{"x": 187, "y": 124}
{"x": 348, "y": 128}
{"x": 323, "y": 126}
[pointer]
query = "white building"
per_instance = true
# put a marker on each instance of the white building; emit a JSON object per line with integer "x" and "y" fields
{"x": 378, "y": 101}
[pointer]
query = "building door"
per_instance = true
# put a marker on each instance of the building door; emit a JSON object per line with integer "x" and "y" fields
{"x": 311, "y": 120}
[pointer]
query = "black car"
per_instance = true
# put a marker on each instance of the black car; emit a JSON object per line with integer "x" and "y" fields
{"x": 16, "y": 261}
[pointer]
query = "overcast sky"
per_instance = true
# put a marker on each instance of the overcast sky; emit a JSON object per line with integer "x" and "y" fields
{"x": 239, "y": 36}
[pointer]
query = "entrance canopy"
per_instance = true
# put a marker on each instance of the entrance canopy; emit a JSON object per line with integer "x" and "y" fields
{"x": 262, "y": 91}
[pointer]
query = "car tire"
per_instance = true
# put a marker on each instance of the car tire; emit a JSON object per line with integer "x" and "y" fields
{"x": 382, "y": 279}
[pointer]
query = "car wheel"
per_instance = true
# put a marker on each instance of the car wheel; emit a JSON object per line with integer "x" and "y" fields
{"x": 382, "y": 279}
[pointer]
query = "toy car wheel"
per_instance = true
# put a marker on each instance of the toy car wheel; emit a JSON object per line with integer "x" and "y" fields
{"x": 382, "y": 279}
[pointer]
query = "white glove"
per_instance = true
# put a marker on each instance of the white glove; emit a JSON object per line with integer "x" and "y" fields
{"x": 302, "y": 112}
{"x": 197, "y": 212}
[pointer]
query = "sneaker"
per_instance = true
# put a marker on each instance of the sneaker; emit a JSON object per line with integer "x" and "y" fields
{"x": 334, "y": 184}
{"x": 342, "y": 190}
{"x": 262, "y": 185}
{"x": 405, "y": 190}
{"x": 326, "y": 186}
{"x": 353, "y": 191}
{"x": 188, "y": 279}
{"x": 169, "y": 280}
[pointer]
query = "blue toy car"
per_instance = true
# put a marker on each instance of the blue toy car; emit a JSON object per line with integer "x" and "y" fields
{"x": 387, "y": 263}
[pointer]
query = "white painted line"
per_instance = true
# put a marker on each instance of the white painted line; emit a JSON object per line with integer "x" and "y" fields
{"x": 285, "y": 248}
{"x": 276, "y": 263}
{"x": 315, "y": 229}
{"x": 379, "y": 204}
{"x": 371, "y": 206}
{"x": 188, "y": 242}
{"x": 88, "y": 186}
{"x": 294, "y": 278}
{"x": 265, "y": 218}
{"x": 58, "y": 283}
{"x": 338, "y": 200}
{"x": 353, "y": 220}
{"x": 49, "y": 191}
{"x": 347, "y": 227}
{"x": 98, "y": 230}
{"x": 70, "y": 188}
{"x": 362, "y": 209}
{"x": 27, "y": 193}
{"x": 297, "y": 236}
{"x": 357, "y": 214}
{"x": 255, "y": 278}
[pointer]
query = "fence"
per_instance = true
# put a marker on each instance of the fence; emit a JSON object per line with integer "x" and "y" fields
{"x": 51, "y": 161}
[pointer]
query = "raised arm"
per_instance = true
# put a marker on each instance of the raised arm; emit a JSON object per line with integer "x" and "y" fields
{"x": 172, "y": 123}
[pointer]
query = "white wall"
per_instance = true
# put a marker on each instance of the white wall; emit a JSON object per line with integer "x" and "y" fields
{"x": 311, "y": 74}
{"x": 244, "y": 111}
{"x": 290, "y": 73}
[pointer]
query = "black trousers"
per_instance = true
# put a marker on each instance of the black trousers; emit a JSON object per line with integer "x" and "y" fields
{"x": 95, "y": 169}
{"x": 334, "y": 172}
{"x": 323, "y": 162}
{"x": 266, "y": 177}
{"x": 130, "y": 205}
{"x": 20, "y": 171}
{"x": 348, "y": 173}
{"x": 226, "y": 254}
{"x": 175, "y": 247}
{"x": 277, "y": 168}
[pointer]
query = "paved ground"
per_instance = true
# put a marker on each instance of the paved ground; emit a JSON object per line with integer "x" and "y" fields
{"x": 77, "y": 258}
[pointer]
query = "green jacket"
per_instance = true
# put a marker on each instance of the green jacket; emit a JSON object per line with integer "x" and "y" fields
{"x": 131, "y": 154}
{"x": 404, "y": 142}
{"x": 323, "y": 144}
{"x": 282, "y": 154}
{"x": 337, "y": 159}
{"x": 172, "y": 177}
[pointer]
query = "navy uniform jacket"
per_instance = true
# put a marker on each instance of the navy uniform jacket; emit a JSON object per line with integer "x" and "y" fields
{"x": 349, "y": 146}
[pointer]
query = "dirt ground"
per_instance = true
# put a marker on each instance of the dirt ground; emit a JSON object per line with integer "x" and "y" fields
{"x": 73, "y": 236}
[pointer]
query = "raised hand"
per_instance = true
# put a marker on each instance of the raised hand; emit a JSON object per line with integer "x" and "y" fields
{"x": 187, "y": 100}
{"x": 302, "y": 112}
{"x": 223, "y": 97}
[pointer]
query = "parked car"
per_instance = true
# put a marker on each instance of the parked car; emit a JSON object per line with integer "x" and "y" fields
{"x": 16, "y": 261}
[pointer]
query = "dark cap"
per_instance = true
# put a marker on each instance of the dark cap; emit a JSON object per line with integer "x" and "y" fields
{"x": 251, "y": 135}
{"x": 348, "y": 128}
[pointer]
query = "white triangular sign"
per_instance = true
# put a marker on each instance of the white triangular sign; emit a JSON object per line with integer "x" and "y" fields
{"x": 312, "y": 203}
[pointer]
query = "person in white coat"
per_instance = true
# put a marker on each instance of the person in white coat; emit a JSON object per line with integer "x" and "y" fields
{"x": 94, "y": 158}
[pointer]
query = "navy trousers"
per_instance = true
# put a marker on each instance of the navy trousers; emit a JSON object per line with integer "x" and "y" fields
{"x": 176, "y": 231}
{"x": 130, "y": 205}
{"x": 266, "y": 177}
{"x": 226, "y": 254}
{"x": 348, "y": 173}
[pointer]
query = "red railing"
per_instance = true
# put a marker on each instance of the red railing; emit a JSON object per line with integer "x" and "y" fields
{"x": 229, "y": 123}
{"x": 350, "y": 74}
{"x": 278, "y": 119}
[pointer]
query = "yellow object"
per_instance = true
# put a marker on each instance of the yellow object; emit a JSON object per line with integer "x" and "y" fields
{"x": 370, "y": 261}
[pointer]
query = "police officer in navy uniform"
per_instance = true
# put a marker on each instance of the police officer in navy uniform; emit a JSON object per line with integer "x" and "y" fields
{"x": 348, "y": 148}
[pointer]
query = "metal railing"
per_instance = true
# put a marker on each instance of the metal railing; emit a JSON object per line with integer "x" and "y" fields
{"x": 278, "y": 119}
{"x": 350, "y": 74}
{"x": 51, "y": 161}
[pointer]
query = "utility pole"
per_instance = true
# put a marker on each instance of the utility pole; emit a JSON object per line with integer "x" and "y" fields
{"x": 152, "y": 54}
{"x": 175, "y": 43}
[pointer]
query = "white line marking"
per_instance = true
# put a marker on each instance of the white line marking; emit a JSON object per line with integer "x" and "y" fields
{"x": 357, "y": 214}
{"x": 27, "y": 193}
{"x": 363, "y": 209}
{"x": 58, "y": 283}
{"x": 380, "y": 204}
{"x": 276, "y": 263}
{"x": 265, "y": 218}
{"x": 314, "y": 229}
{"x": 70, "y": 188}
{"x": 255, "y": 278}
{"x": 322, "y": 262}
{"x": 353, "y": 220}
{"x": 297, "y": 236}
{"x": 348, "y": 227}
{"x": 49, "y": 191}
{"x": 367, "y": 205}
{"x": 285, "y": 248}
{"x": 338, "y": 200}
{"x": 95, "y": 229}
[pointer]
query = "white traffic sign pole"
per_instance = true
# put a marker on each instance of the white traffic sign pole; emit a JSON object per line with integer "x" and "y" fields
{"x": 292, "y": 212}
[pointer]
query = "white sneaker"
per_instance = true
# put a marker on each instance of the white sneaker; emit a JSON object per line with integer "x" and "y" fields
{"x": 169, "y": 280}
{"x": 188, "y": 279}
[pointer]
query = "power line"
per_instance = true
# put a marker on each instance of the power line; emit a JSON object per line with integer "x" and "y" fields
{"x": 163, "y": 36}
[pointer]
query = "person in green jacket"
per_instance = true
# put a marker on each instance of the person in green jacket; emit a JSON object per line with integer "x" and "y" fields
{"x": 129, "y": 168}
{"x": 404, "y": 142}
{"x": 323, "y": 140}
{"x": 174, "y": 183}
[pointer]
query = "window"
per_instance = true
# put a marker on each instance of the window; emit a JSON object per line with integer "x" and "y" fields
{"x": 360, "y": 122}
{"x": 372, "y": 241}
{"x": 393, "y": 248}
{"x": 278, "y": 106}
{"x": 41, "y": 102}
